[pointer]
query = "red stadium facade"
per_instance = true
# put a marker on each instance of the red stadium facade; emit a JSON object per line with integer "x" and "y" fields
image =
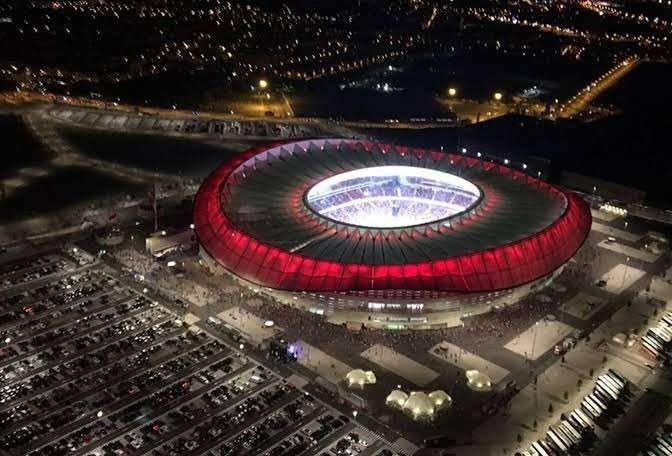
{"x": 525, "y": 254}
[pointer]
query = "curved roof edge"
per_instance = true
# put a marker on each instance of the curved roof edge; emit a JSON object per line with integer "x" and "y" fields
{"x": 502, "y": 267}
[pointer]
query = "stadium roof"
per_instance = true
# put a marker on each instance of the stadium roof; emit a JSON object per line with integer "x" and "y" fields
{"x": 251, "y": 215}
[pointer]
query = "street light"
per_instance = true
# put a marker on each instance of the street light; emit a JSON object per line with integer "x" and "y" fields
{"x": 263, "y": 83}
{"x": 497, "y": 96}
{"x": 452, "y": 91}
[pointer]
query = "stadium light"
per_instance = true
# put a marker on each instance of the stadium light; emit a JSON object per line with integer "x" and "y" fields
{"x": 263, "y": 83}
{"x": 524, "y": 165}
{"x": 452, "y": 91}
{"x": 497, "y": 96}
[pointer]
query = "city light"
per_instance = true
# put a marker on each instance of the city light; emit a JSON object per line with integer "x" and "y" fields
{"x": 347, "y": 227}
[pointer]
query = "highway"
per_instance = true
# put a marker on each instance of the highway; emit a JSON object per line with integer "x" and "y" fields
{"x": 592, "y": 91}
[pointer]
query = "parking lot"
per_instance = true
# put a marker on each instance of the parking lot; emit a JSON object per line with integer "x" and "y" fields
{"x": 90, "y": 365}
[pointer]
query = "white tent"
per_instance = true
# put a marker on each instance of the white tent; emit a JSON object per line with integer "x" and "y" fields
{"x": 440, "y": 399}
{"x": 397, "y": 399}
{"x": 419, "y": 406}
{"x": 478, "y": 381}
{"x": 358, "y": 378}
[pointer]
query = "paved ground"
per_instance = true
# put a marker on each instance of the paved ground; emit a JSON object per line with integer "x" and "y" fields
{"x": 400, "y": 364}
{"x": 466, "y": 360}
{"x": 628, "y": 251}
{"x": 539, "y": 338}
{"x": 621, "y": 277}
{"x": 324, "y": 365}
{"x": 583, "y": 306}
{"x": 249, "y": 324}
{"x": 613, "y": 231}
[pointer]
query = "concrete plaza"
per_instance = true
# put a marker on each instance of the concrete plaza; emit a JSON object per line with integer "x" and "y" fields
{"x": 323, "y": 364}
{"x": 621, "y": 277}
{"x": 616, "y": 232}
{"x": 465, "y": 360}
{"x": 539, "y": 338}
{"x": 248, "y": 324}
{"x": 628, "y": 251}
{"x": 400, "y": 365}
{"x": 583, "y": 306}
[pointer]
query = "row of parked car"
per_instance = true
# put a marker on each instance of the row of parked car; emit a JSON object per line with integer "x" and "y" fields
{"x": 575, "y": 433}
{"x": 662, "y": 446}
{"x": 658, "y": 339}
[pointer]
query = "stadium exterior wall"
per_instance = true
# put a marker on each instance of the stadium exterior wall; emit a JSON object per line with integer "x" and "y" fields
{"x": 504, "y": 267}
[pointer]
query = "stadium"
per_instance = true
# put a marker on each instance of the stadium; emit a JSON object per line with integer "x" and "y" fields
{"x": 383, "y": 235}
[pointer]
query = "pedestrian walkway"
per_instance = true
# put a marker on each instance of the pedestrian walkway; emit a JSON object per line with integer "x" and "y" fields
{"x": 400, "y": 365}
{"x": 583, "y": 306}
{"x": 465, "y": 360}
{"x": 323, "y": 364}
{"x": 632, "y": 252}
{"x": 539, "y": 338}
{"x": 615, "y": 232}
{"x": 620, "y": 278}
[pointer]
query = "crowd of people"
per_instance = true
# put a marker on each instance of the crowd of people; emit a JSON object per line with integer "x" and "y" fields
{"x": 391, "y": 196}
{"x": 482, "y": 335}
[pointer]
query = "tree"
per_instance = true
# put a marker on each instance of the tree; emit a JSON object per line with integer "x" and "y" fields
{"x": 519, "y": 438}
{"x": 605, "y": 359}
{"x": 534, "y": 424}
{"x": 591, "y": 372}
{"x": 579, "y": 383}
{"x": 550, "y": 408}
{"x": 565, "y": 395}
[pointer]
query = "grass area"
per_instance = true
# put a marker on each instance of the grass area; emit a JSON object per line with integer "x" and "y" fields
{"x": 165, "y": 154}
{"x": 19, "y": 148}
